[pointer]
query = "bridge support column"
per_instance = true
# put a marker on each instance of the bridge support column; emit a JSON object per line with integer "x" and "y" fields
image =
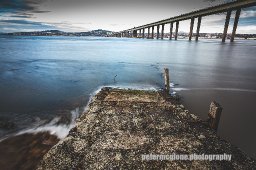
{"x": 198, "y": 27}
{"x": 162, "y": 32}
{"x": 139, "y": 33}
{"x": 148, "y": 32}
{"x": 235, "y": 25}
{"x": 171, "y": 29}
{"x": 191, "y": 28}
{"x": 134, "y": 33}
{"x": 226, "y": 26}
{"x": 177, "y": 30}
{"x": 143, "y": 33}
{"x": 152, "y": 36}
{"x": 157, "y": 33}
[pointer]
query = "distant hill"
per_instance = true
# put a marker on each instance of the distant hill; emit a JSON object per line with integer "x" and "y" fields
{"x": 98, "y": 32}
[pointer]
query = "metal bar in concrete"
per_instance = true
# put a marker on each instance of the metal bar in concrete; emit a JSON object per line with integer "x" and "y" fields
{"x": 152, "y": 36}
{"x": 162, "y": 32}
{"x": 177, "y": 30}
{"x": 191, "y": 28}
{"x": 198, "y": 27}
{"x": 224, "y": 35}
{"x": 143, "y": 33}
{"x": 157, "y": 32}
{"x": 235, "y": 25}
{"x": 205, "y": 12}
{"x": 171, "y": 29}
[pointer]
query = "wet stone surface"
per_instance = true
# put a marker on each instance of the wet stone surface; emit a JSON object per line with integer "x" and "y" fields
{"x": 120, "y": 125}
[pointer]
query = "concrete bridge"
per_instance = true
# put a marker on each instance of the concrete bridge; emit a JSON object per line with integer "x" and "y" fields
{"x": 228, "y": 8}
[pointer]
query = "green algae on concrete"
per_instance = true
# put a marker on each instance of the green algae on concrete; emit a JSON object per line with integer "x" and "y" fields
{"x": 121, "y": 125}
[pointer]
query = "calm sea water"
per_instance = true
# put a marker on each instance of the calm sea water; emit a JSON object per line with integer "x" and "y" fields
{"x": 42, "y": 78}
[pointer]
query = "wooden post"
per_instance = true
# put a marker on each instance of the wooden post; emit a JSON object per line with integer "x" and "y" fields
{"x": 166, "y": 80}
{"x": 214, "y": 115}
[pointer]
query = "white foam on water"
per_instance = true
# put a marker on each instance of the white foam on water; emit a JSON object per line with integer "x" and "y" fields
{"x": 134, "y": 87}
{"x": 62, "y": 130}
{"x": 59, "y": 130}
{"x": 172, "y": 85}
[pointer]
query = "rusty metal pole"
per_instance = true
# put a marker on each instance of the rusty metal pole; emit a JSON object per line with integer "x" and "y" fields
{"x": 214, "y": 115}
{"x": 166, "y": 80}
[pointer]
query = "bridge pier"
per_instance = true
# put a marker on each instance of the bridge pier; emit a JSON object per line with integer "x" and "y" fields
{"x": 177, "y": 30}
{"x": 226, "y": 26}
{"x": 139, "y": 33}
{"x": 152, "y": 36}
{"x": 157, "y": 32}
{"x": 143, "y": 33}
{"x": 134, "y": 34}
{"x": 171, "y": 29}
{"x": 191, "y": 28}
{"x": 198, "y": 27}
{"x": 148, "y": 32}
{"x": 235, "y": 25}
{"x": 162, "y": 32}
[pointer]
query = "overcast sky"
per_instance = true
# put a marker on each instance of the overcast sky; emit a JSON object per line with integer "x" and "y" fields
{"x": 114, "y": 15}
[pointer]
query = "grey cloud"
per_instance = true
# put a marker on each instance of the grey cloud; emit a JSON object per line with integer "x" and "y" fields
{"x": 21, "y": 6}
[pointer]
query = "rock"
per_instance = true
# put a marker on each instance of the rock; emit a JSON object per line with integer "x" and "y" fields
{"x": 201, "y": 136}
{"x": 181, "y": 106}
{"x": 194, "y": 116}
